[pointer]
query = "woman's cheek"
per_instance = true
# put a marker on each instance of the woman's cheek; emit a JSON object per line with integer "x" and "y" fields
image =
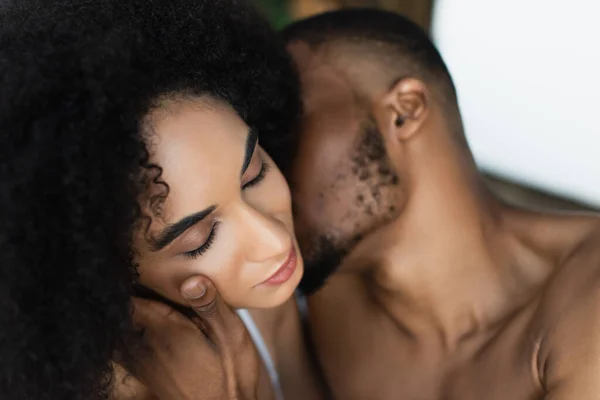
{"x": 228, "y": 278}
{"x": 232, "y": 291}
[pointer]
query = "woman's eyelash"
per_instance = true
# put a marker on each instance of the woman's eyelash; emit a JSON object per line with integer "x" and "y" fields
{"x": 261, "y": 175}
{"x": 204, "y": 248}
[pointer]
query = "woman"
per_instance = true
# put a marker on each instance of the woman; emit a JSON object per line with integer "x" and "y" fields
{"x": 130, "y": 155}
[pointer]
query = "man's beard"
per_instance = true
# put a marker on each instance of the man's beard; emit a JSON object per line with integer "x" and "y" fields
{"x": 372, "y": 168}
{"x": 321, "y": 263}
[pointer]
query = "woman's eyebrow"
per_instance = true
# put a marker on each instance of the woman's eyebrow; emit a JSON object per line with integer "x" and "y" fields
{"x": 173, "y": 231}
{"x": 251, "y": 142}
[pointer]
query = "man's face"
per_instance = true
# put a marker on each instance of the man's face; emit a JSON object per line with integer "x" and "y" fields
{"x": 343, "y": 183}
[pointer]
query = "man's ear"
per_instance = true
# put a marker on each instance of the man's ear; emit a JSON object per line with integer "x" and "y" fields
{"x": 401, "y": 111}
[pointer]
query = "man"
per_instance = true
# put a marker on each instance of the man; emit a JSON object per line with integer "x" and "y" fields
{"x": 441, "y": 290}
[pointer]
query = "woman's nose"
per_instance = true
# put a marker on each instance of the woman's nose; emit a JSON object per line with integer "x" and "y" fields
{"x": 266, "y": 236}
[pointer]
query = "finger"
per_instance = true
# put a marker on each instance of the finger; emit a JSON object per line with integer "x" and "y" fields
{"x": 148, "y": 313}
{"x": 218, "y": 320}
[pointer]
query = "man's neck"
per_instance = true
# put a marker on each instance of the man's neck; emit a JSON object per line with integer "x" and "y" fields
{"x": 451, "y": 266}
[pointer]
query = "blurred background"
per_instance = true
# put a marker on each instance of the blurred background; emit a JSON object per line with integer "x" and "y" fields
{"x": 526, "y": 72}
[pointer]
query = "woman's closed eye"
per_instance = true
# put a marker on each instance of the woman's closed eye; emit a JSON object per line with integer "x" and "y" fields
{"x": 256, "y": 171}
{"x": 258, "y": 178}
{"x": 193, "y": 254}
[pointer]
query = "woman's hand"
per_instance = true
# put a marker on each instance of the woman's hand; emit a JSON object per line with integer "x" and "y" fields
{"x": 210, "y": 356}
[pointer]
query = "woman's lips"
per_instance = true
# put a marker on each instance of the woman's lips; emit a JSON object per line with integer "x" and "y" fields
{"x": 285, "y": 272}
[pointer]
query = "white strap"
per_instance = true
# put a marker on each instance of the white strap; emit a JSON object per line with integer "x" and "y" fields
{"x": 263, "y": 352}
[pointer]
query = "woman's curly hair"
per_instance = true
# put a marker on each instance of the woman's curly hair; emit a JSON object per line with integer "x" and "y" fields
{"x": 77, "y": 78}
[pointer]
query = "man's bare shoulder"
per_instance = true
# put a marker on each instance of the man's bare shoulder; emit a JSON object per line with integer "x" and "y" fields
{"x": 569, "y": 313}
{"x": 577, "y": 270}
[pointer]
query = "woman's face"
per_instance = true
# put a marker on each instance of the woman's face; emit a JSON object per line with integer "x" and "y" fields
{"x": 227, "y": 214}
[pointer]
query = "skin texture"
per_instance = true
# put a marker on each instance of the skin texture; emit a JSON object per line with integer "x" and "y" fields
{"x": 443, "y": 291}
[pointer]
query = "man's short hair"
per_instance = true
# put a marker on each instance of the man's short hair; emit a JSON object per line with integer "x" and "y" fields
{"x": 385, "y": 36}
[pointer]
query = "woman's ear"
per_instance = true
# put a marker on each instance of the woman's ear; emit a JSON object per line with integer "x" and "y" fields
{"x": 401, "y": 111}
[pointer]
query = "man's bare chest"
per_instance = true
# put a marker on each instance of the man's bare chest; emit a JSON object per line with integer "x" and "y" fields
{"x": 379, "y": 362}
